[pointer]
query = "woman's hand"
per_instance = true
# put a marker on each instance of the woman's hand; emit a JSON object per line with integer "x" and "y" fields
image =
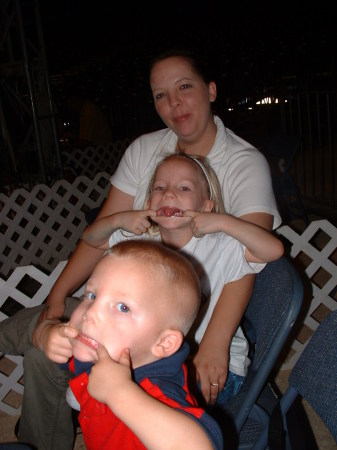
{"x": 52, "y": 310}
{"x": 211, "y": 368}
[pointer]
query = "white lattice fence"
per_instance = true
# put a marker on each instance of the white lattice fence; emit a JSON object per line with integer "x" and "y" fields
{"x": 43, "y": 226}
{"x": 26, "y": 287}
{"x": 314, "y": 250}
{"x": 315, "y": 255}
{"x": 90, "y": 161}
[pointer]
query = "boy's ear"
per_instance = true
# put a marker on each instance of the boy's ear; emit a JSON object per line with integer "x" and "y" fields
{"x": 208, "y": 205}
{"x": 168, "y": 343}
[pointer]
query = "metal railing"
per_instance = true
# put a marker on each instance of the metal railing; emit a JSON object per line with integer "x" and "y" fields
{"x": 313, "y": 116}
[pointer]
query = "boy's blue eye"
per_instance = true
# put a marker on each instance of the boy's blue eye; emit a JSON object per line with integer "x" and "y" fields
{"x": 122, "y": 307}
{"x": 91, "y": 296}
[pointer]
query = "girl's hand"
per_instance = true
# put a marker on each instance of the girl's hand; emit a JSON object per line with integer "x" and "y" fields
{"x": 136, "y": 222}
{"x": 204, "y": 222}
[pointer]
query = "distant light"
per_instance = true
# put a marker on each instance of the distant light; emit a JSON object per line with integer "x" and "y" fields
{"x": 267, "y": 101}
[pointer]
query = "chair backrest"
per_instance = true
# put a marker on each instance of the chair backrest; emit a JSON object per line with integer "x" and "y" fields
{"x": 315, "y": 374}
{"x": 314, "y": 377}
{"x": 272, "y": 312}
{"x": 282, "y": 146}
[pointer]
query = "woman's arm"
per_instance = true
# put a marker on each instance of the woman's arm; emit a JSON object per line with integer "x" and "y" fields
{"x": 83, "y": 259}
{"x": 211, "y": 361}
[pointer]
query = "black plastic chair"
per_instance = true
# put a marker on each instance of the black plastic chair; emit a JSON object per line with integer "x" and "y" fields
{"x": 314, "y": 378}
{"x": 269, "y": 319}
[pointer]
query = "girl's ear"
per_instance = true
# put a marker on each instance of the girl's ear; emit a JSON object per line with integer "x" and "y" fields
{"x": 212, "y": 91}
{"x": 208, "y": 206}
{"x": 168, "y": 343}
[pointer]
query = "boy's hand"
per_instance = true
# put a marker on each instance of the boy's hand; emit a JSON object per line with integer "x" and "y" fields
{"x": 52, "y": 337}
{"x": 108, "y": 377}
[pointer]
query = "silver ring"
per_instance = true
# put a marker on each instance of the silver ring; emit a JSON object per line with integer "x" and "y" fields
{"x": 215, "y": 384}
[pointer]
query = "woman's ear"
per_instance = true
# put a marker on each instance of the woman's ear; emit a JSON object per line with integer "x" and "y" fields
{"x": 212, "y": 91}
{"x": 168, "y": 343}
{"x": 208, "y": 206}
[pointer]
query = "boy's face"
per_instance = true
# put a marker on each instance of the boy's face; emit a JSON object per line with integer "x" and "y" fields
{"x": 122, "y": 308}
{"x": 178, "y": 187}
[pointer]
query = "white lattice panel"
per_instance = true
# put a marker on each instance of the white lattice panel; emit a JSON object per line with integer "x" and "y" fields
{"x": 43, "y": 226}
{"x": 315, "y": 255}
{"x": 90, "y": 161}
{"x": 13, "y": 295}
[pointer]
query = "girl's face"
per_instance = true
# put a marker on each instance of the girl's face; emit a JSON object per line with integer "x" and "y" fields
{"x": 178, "y": 186}
{"x": 122, "y": 308}
{"x": 181, "y": 97}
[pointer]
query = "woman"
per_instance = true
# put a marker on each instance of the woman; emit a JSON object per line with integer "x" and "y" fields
{"x": 183, "y": 96}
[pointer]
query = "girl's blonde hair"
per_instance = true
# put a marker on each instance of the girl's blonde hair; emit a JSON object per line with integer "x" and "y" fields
{"x": 207, "y": 173}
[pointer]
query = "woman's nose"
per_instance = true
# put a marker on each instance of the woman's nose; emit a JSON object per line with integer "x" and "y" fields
{"x": 174, "y": 100}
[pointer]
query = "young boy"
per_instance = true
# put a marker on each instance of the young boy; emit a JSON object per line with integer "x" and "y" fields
{"x": 139, "y": 303}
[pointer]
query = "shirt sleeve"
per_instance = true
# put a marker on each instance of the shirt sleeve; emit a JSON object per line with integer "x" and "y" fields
{"x": 248, "y": 186}
{"x": 127, "y": 177}
{"x": 211, "y": 428}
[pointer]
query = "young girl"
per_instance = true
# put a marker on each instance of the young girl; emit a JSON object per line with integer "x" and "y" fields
{"x": 185, "y": 211}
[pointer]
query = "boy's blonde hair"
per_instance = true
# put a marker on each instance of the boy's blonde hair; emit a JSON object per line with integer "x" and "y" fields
{"x": 181, "y": 282}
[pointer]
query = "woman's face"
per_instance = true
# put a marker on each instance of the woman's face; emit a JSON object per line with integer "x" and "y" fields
{"x": 181, "y": 97}
{"x": 122, "y": 308}
{"x": 178, "y": 186}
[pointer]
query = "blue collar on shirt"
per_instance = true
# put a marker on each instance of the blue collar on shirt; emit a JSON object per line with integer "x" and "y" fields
{"x": 167, "y": 367}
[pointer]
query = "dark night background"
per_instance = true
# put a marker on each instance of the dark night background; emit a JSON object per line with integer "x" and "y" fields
{"x": 255, "y": 49}
{"x": 266, "y": 40}
{"x": 252, "y": 46}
